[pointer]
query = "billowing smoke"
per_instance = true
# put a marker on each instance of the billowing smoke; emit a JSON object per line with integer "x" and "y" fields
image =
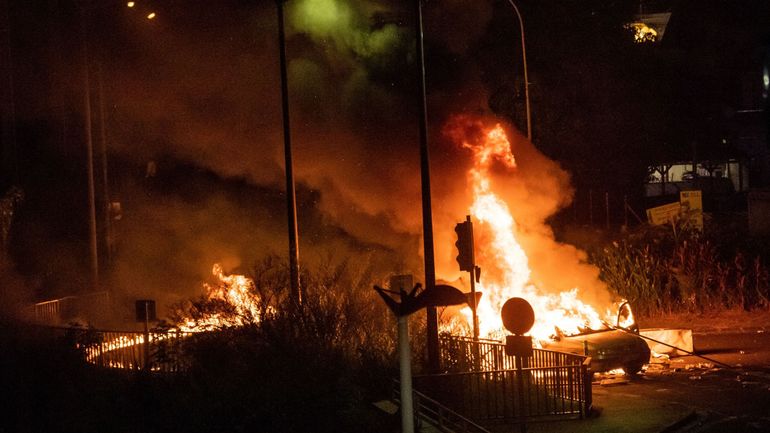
{"x": 210, "y": 97}
{"x": 201, "y": 91}
{"x": 533, "y": 190}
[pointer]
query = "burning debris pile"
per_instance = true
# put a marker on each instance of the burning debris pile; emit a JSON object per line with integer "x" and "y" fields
{"x": 233, "y": 301}
{"x": 511, "y": 198}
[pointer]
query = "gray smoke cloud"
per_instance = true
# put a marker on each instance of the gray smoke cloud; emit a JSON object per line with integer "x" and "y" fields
{"x": 210, "y": 97}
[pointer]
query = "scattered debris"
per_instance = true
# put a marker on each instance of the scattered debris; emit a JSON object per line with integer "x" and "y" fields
{"x": 614, "y": 381}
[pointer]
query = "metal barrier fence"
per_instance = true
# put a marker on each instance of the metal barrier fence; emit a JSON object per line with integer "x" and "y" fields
{"x": 49, "y": 311}
{"x": 62, "y": 310}
{"x": 463, "y": 354}
{"x": 154, "y": 351}
{"x": 484, "y": 384}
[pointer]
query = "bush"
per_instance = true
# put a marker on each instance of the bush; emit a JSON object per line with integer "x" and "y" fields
{"x": 313, "y": 367}
{"x": 664, "y": 270}
{"x": 316, "y": 368}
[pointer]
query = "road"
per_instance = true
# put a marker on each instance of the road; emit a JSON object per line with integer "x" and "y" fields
{"x": 718, "y": 398}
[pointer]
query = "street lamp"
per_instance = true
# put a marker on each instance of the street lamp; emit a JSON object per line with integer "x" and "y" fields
{"x": 526, "y": 77}
{"x": 89, "y": 150}
{"x": 291, "y": 195}
{"x": 85, "y": 7}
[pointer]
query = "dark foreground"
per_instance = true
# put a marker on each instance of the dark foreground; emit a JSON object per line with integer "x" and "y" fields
{"x": 234, "y": 386}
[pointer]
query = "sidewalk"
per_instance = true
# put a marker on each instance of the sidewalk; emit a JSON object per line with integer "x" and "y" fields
{"x": 619, "y": 413}
{"x": 730, "y": 321}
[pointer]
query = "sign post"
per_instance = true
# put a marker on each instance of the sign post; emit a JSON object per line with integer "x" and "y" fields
{"x": 518, "y": 317}
{"x": 145, "y": 311}
{"x": 411, "y": 302}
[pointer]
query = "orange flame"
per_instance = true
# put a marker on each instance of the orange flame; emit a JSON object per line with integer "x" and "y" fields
{"x": 498, "y": 250}
{"x": 235, "y": 290}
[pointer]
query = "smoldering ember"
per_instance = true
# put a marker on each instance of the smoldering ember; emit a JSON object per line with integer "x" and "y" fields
{"x": 385, "y": 216}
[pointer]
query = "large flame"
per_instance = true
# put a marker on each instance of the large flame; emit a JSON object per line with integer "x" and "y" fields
{"x": 498, "y": 249}
{"x": 237, "y": 293}
{"x": 239, "y": 302}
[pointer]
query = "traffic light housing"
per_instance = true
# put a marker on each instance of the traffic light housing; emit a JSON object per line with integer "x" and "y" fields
{"x": 464, "y": 245}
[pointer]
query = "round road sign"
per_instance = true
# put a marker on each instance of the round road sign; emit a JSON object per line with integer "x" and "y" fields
{"x": 518, "y": 316}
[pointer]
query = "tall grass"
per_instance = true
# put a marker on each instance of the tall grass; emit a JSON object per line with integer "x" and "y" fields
{"x": 675, "y": 269}
{"x": 316, "y": 368}
{"x": 313, "y": 367}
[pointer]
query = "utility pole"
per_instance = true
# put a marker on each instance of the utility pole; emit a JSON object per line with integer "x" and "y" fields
{"x": 89, "y": 151}
{"x": 291, "y": 197}
{"x": 8, "y": 140}
{"x": 427, "y": 214}
{"x": 108, "y": 233}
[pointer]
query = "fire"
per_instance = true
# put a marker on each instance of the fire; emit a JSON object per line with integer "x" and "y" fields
{"x": 498, "y": 250}
{"x": 239, "y": 304}
{"x": 238, "y": 295}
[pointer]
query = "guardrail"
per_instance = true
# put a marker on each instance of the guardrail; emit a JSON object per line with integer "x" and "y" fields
{"x": 484, "y": 384}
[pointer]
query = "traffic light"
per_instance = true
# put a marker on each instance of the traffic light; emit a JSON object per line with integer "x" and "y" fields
{"x": 464, "y": 245}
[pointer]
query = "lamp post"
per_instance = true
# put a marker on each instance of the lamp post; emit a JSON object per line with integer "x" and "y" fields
{"x": 526, "y": 77}
{"x": 85, "y": 7}
{"x": 427, "y": 213}
{"x": 291, "y": 197}
{"x": 89, "y": 152}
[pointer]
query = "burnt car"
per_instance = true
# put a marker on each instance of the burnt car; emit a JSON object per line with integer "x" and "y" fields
{"x": 617, "y": 346}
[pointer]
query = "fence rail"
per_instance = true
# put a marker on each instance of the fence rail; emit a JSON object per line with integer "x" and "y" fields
{"x": 481, "y": 382}
{"x": 57, "y": 312}
{"x": 442, "y": 417}
{"x": 153, "y": 351}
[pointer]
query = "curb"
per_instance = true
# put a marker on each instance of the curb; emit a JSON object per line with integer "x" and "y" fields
{"x": 722, "y": 331}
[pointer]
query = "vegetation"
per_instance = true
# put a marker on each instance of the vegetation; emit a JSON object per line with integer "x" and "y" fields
{"x": 316, "y": 367}
{"x": 676, "y": 269}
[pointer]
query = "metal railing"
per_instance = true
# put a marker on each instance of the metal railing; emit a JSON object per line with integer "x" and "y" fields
{"x": 60, "y": 311}
{"x": 443, "y": 418}
{"x": 153, "y": 351}
{"x": 481, "y": 382}
{"x": 463, "y": 354}
{"x": 48, "y": 311}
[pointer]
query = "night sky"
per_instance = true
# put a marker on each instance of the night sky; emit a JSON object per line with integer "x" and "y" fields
{"x": 191, "y": 103}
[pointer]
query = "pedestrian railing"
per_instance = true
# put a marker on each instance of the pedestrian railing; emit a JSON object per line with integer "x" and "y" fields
{"x": 153, "y": 351}
{"x": 443, "y": 418}
{"x": 59, "y": 311}
{"x": 481, "y": 382}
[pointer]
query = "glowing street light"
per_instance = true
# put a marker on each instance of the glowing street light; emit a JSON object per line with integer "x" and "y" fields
{"x": 130, "y": 4}
{"x": 151, "y": 16}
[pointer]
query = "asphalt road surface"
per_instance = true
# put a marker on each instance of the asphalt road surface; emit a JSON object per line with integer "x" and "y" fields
{"x": 718, "y": 398}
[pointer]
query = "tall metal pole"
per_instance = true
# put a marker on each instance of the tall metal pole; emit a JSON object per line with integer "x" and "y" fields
{"x": 405, "y": 375}
{"x": 291, "y": 198}
{"x": 89, "y": 153}
{"x": 526, "y": 76}
{"x": 109, "y": 240}
{"x": 9, "y": 150}
{"x": 427, "y": 215}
